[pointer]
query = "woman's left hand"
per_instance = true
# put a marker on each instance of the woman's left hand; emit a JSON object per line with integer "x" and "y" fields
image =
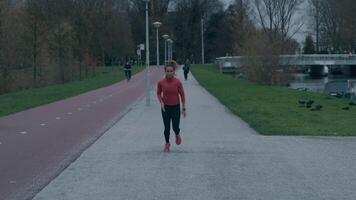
{"x": 184, "y": 113}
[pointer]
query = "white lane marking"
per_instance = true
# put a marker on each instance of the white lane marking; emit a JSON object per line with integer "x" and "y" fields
{"x": 58, "y": 118}
{"x": 23, "y": 132}
{"x": 12, "y": 182}
{"x": 0, "y": 143}
{"x": 69, "y": 113}
{"x": 43, "y": 124}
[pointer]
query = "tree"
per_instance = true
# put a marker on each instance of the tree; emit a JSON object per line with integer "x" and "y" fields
{"x": 219, "y": 36}
{"x": 33, "y": 33}
{"x": 11, "y": 51}
{"x": 228, "y": 30}
{"x": 4, "y": 70}
{"x": 316, "y": 6}
{"x": 158, "y": 11}
{"x": 186, "y": 31}
{"x": 309, "y": 45}
{"x": 240, "y": 24}
{"x": 57, "y": 39}
{"x": 335, "y": 25}
{"x": 275, "y": 37}
{"x": 60, "y": 37}
{"x": 277, "y": 19}
{"x": 261, "y": 63}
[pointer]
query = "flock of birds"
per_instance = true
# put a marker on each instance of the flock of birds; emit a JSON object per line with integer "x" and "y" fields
{"x": 309, "y": 104}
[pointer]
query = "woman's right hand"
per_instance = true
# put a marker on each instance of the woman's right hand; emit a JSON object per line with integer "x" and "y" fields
{"x": 162, "y": 107}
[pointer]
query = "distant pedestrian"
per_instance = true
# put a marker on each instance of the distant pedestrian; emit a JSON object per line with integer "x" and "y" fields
{"x": 127, "y": 69}
{"x": 169, "y": 89}
{"x": 186, "y": 69}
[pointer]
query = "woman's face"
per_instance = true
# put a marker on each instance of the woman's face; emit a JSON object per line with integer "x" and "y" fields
{"x": 169, "y": 72}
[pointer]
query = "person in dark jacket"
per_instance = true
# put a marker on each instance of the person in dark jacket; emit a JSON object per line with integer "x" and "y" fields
{"x": 127, "y": 69}
{"x": 186, "y": 69}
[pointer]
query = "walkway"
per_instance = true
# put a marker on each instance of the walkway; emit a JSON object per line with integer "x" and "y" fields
{"x": 38, "y": 144}
{"x": 221, "y": 157}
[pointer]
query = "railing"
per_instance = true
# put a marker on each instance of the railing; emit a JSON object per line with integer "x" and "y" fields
{"x": 317, "y": 59}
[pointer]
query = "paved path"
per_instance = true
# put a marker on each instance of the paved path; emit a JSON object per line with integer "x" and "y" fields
{"x": 37, "y": 144}
{"x": 221, "y": 157}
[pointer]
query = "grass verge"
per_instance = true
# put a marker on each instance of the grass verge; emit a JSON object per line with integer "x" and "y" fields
{"x": 19, "y": 101}
{"x": 272, "y": 110}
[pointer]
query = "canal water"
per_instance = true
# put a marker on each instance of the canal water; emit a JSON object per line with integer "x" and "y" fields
{"x": 305, "y": 82}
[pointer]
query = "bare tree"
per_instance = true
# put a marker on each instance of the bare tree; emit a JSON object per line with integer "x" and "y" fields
{"x": 335, "y": 25}
{"x": 10, "y": 43}
{"x": 160, "y": 8}
{"x": 15, "y": 47}
{"x": 35, "y": 28}
{"x": 186, "y": 17}
{"x": 240, "y": 24}
{"x": 278, "y": 24}
{"x": 4, "y": 69}
{"x": 60, "y": 38}
{"x": 330, "y": 23}
{"x": 316, "y": 6}
{"x": 277, "y": 19}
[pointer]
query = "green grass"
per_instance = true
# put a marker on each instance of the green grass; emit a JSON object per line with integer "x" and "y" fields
{"x": 19, "y": 101}
{"x": 275, "y": 110}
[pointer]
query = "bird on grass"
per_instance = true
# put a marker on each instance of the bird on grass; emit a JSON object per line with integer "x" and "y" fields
{"x": 346, "y": 108}
{"x": 309, "y": 103}
{"x": 301, "y": 103}
{"x": 317, "y": 108}
{"x": 352, "y": 103}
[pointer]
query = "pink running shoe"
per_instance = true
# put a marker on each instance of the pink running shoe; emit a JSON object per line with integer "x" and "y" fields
{"x": 178, "y": 140}
{"x": 166, "y": 147}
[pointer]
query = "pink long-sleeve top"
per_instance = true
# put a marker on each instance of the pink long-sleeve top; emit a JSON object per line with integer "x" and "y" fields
{"x": 171, "y": 90}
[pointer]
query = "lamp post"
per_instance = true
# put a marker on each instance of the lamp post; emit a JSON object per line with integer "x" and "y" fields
{"x": 138, "y": 51}
{"x": 202, "y": 41}
{"x": 170, "y": 44}
{"x": 148, "y": 85}
{"x": 165, "y": 37}
{"x": 157, "y": 25}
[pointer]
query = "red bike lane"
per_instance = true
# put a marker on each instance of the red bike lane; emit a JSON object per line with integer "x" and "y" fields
{"x": 36, "y": 145}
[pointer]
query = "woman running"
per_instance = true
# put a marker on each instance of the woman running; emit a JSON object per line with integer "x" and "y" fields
{"x": 168, "y": 91}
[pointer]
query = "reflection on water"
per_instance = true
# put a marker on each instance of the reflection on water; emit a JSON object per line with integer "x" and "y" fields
{"x": 304, "y": 81}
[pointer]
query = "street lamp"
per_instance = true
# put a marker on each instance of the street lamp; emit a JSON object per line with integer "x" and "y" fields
{"x": 170, "y": 44}
{"x": 157, "y": 25}
{"x": 165, "y": 37}
{"x": 148, "y": 85}
{"x": 202, "y": 41}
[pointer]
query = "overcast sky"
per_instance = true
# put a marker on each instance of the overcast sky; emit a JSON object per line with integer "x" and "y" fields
{"x": 301, "y": 15}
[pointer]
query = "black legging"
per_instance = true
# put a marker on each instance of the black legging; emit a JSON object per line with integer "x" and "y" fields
{"x": 128, "y": 74}
{"x": 172, "y": 113}
{"x": 186, "y": 72}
